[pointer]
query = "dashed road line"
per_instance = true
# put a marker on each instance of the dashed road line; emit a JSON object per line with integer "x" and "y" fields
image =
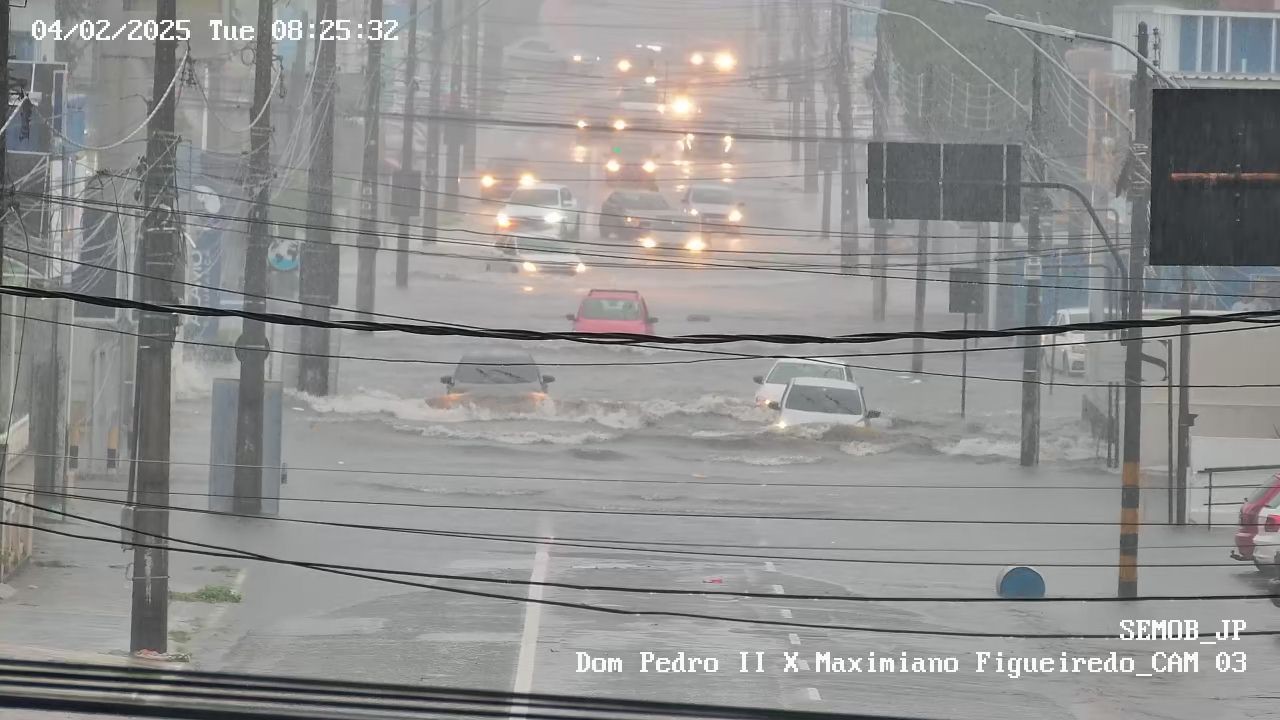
{"x": 814, "y": 695}
{"x": 529, "y": 637}
{"x": 785, "y": 612}
{"x": 794, "y": 638}
{"x": 777, "y": 590}
{"x": 769, "y": 566}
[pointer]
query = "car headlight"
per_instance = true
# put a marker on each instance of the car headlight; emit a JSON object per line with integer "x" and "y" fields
{"x": 697, "y": 59}
{"x": 650, "y": 79}
{"x": 650, "y": 166}
{"x": 613, "y": 165}
{"x": 695, "y": 245}
{"x": 693, "y": 212}
{"x": 735, "y": 215}
{"x": 619, "y": 124}
{"x": 682, "y": 106}
{"x": 503, "y": 220}
{"x": 624, "y": 65}
{"x": 648, "y": 242}
{"x": 529, "y": 267}
{"x": 582, "y": 124}
{"x": 725, "y": 61}
{"x": 580, "y": 268}
{"x": 553, "y": 217}
{"x": 488, "y": 181}
{"x": 527, "y": 180}
{"x": 781, "y": 425}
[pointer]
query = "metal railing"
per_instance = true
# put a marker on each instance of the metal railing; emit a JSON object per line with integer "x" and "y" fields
{"x": 1227, "y": 469}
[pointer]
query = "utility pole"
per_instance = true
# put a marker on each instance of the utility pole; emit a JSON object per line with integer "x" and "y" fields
{"x": 1185, "y": 418}
{"x": 1127, "y": 586}
{"x": 848, "y": 181}
{"x": 149, "y": 621}
{"x": 430, "y": 212}
{"x": 473, "y": 87}
{"x": 1030, "y": 455}
{"x": 319, "y": 272}
{"x": 252, "y": 347}
{"x": 453, "y": 134}
{"x": 922, "y": 249}
{"x": 809, "y": 93}
{"x": 367, "y": 255}
{"x": 775, "y": 48}
{"x": 879, "y": 128}
{"x": 409, "y": 124}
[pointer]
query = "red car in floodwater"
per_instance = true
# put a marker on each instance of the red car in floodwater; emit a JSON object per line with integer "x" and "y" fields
{"x": 613, "y": 311}
{"x": 1262, "y": 499}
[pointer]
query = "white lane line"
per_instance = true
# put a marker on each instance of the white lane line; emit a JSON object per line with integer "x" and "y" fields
{"x": 785, "y": 612}
{"x": 804, "y": 665}
{"x": 529, "y": 637}
{"x": 768, "y": 565}
{"x": 794, "y": 638}
{"x": 777, "y": 590}
{"x": 814, "y": 695}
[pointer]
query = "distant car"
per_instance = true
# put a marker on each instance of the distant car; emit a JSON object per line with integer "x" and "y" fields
{"x": 613, "y": 311}
{"x": 713, "y": 206}
{"x": 643, "y": 104}
{"x": 541, "y": 210}
{"x": 785, "y": 370}
{"x": 812, "y": 401}
{"x": 495, "y": 378}
{"x": 499, "y": 178}
{"x": 627, "y": 213}
{"x": 1065, "y": 353}
{"x": 536, "y": 57}
{"x": 535, "y": 256}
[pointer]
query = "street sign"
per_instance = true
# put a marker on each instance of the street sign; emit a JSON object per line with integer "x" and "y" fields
{"x": 829, "y": 155}
{"x": 967, "y": 292}
{"x": 1215, "y": 177}
{"x": 953, "y": 181}
{"x": 285, "y": 254}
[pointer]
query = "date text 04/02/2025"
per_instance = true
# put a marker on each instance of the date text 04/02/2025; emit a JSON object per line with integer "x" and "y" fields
{"x": 180, "y": 30}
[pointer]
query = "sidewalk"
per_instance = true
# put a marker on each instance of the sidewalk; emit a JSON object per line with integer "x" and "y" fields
{"x": 73, "y": 598}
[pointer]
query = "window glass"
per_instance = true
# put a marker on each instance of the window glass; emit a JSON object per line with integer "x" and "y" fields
{"x": 1250, "y": 45}
{"x": 496, "y": 370}
{"x": 1188, "y": 41}
{"x": 786, "y": 371}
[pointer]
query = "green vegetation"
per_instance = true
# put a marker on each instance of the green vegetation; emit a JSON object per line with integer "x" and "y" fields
{"x": 207, "y": 594}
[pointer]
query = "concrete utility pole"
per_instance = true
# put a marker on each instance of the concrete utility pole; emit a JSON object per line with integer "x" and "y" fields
{"x": 409, "y": 124}
{"x": 848, "y": 178}
{"x": 1030, "y": 455}
{"x": 1130, "y": 473}
{"x": 252, "y": 348}
{"x": 367, "y": 255}
{"x": 319, "y": 271}
{"x": 149, "y": 621}
{"x": 430, "y": 212}
{"x": 453, "y": 135}
{"x": 879, "y": 129}
{"x": 922, "y": 240}
{"x": 809, "y": 93}
{"x": 473, "y": 87}
{"x": 1185, "y": 418}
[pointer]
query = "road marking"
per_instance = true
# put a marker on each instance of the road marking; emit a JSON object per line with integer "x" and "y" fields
{"x": 804, "y": 665}
{"x": 529, "y": 637}
{"x": 785, "y": 612}
{"x": 770, "y": 566}
{"x": 777, "y": 590}
{"x": 794, "y": 638}
{"x": 814, "y": 695}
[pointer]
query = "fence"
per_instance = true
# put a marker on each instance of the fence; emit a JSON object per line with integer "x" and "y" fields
{"x": 1210, "y": 472}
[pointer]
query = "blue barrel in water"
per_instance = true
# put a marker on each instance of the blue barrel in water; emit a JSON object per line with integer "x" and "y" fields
{"x": 1019, "y": 583}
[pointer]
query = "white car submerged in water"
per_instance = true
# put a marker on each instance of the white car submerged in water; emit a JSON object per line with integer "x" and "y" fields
{"x": 785, "y": 370}
{"x": 820, "y": 401}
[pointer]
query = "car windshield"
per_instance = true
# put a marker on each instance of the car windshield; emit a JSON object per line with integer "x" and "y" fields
{"x": 544, "y": 197}
{"x": 712, "y": 196}
{"x": 496, "y": 370}
{"x": 537, "y": 244}
{"x": 610, "y": 309}
{"x": 785, "y": 372}
{"x": 645, "y": 201}
{"x": 813, "y": 398}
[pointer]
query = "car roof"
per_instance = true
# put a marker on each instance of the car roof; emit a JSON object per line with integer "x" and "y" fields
{"x": 542, "y": 186}
{"x": 502, "y": 356}
{"x": 629, "y": 294}
{"x": 823, "y": 382}
{"x": 808, "y": 361}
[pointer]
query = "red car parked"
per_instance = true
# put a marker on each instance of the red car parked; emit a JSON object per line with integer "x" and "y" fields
{"x": 613, "y": 311}
{"x": 1251, "y": 521}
